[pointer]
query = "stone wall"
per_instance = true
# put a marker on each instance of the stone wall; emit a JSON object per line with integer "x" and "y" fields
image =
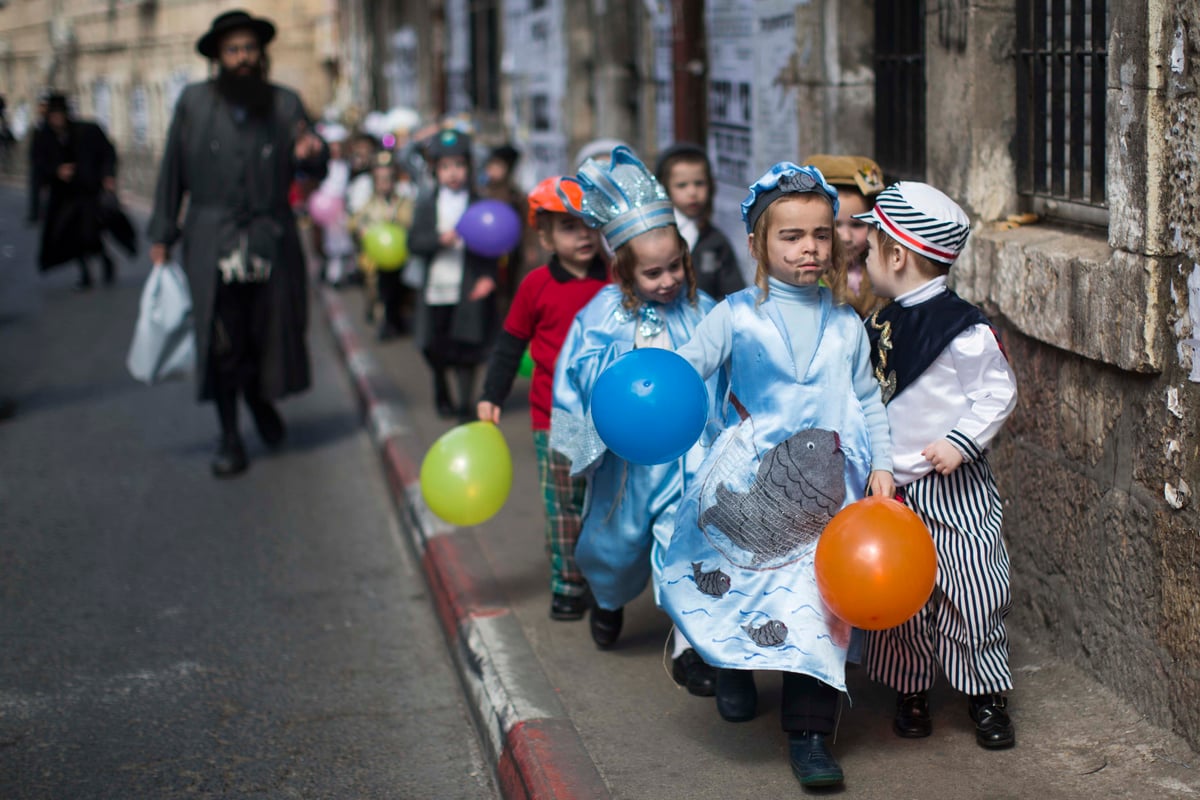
{"x": 1099, "y": 462}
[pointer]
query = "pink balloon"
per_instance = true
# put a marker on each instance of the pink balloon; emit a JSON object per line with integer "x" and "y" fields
{"x": 325, "y": 208}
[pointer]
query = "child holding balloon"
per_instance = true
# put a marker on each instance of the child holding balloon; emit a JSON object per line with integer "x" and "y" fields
{"x": 457, "y": 301}
{"x": 804, "y": 433}
{"x": 545, "y": 305}
{"x": 380, "y": 267}
{"x": 947, "y": 383}
{"x": 629, "y": 507}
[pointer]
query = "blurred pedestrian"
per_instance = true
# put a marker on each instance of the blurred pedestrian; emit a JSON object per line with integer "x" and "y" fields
{"x": 78, "y": 163}
{"x": 686, "y": 172}
{"x": 36, "y": 132}
{"x": 235, "y": 143}
{"x": 499, "y": 184}
{"x": 457, "y": 314}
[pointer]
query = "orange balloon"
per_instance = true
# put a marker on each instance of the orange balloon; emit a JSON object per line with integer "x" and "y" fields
{"x": 875, "y": 564}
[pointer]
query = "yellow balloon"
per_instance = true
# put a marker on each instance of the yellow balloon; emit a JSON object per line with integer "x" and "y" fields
{"x": 467, "y": 474}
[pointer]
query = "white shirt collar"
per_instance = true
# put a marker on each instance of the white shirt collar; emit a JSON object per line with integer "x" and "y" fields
{"x": 923, "y": 292}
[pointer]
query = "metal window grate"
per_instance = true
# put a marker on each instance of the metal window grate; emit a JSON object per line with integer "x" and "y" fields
{"x": 1062, "y": 61}
{"x": 900, "y": 88}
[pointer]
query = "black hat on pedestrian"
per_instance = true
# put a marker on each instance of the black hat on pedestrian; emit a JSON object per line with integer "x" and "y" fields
{"x": 232, "y": 21}
{"x": 448, "y": 142}
{"x": 56, "y": 101}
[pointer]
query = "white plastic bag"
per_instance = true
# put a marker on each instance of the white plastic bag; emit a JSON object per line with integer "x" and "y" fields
{"x": 164, "y": 344}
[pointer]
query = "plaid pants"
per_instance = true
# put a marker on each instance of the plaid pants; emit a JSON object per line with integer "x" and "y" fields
{"x": 563, "y": 497}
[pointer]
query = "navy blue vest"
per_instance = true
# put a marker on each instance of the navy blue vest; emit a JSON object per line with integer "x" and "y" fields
{"x": 906, "y": 340}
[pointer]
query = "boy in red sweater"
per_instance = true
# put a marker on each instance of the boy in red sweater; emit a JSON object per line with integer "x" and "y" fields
{"x": 542, "y": 311}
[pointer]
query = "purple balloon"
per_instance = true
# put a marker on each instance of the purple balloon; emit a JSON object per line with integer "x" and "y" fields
{"x": 490, "y": 228}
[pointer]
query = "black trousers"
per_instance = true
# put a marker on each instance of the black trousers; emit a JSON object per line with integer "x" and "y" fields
{"x": 238, "y": 331}
{"x": 808, "y": 704}
{"x": 393, "y": 294}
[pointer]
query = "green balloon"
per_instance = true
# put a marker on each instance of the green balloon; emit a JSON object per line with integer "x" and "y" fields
{"x": 386, "y": 244}
{"x": 526, "y": 368}
{"x": 467, "y": 474}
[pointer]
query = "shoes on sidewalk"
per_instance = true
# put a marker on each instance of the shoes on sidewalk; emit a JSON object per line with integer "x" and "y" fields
{"x": 812, "y": 763}
{"x": 912, "y": 719}
{"x": 605, "y": 626}
{"x": 993, "y": 727}
{"x": 737, "y": 696}
{"x": 568, "y": 607}
{"x": 230, "y": 459}
{"x": 690, "y": 671}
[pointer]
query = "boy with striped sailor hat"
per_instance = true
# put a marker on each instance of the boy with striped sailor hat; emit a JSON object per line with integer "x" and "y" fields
{"x": 948, "y": 388}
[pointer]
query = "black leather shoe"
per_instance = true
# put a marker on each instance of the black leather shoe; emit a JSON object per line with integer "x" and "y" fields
{"x": 993, "y": 727}
{"x": 605, "y": 626}
{"x": 812, "y": 763}
{"x": 230, "y": 459}
{"x": 690, "y": 671}
{"x": 268, "y": 422}
{"x": 568, "y": 607}
{"x": 912, "y": 716}
{"x": 737, "y": 696}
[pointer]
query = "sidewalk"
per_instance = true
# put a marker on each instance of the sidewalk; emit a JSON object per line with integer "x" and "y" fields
{"x": 562, "y": 719}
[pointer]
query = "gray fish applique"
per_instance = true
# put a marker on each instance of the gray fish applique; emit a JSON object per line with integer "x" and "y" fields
{"x": 770, "y": 634}
{"x": 797, "y": 489}
{"x": 715, "y": 583}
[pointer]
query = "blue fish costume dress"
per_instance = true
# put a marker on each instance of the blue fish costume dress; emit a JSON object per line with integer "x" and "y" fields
{"x": 738, "y": 577}
{"x": 629, "y": 508}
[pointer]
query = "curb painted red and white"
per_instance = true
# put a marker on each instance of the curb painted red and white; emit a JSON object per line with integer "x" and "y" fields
{"x": 531, "y": 742}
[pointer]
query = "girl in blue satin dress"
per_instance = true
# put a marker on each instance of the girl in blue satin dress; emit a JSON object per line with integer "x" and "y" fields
{"x": 629, "y": 508}
{"x": 805, "y": 433}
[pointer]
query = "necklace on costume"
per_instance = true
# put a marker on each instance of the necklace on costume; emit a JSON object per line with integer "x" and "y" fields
{"x": 650, "y": 323}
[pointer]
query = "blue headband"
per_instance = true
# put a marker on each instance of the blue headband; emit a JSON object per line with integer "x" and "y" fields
{"x": 784, "y": 178}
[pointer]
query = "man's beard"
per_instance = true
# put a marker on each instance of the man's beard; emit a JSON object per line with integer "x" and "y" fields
{"x": 251, "y": 91}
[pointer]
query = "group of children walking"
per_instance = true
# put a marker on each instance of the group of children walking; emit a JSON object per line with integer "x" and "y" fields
{"x": 847, "y": 368}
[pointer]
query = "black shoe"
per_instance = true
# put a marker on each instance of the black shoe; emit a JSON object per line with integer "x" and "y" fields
{"x": 83, "y": 285}
{"x": 690, "y": 671}
{"x": 912, "y": 716}
{"x": 605, "y": 626}
{"x": 993, "y": 727}
{"x": 812, "y": 763}
{"x": 230, "y": 459}
{"x": 446, "y": 410}
{"x": 110, "y": 272}
{"x": 737, "y": 696}
{"x": 568, "y": 607}
{"x": 268, "y": 422}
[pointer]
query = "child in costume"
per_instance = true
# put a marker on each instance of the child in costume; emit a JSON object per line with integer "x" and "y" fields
{"x": 804, "y": 433}
{"x": 542, "y": 311}
{"x": 858, "y": 180}
{"x": 336, "y": 244}
{"x": 629, "y": 508}
{"x": 949, "y": 388}
{"x": 684, "y": 169}
{"x": 457, "y": 310}
{"x": 382, "y": 284}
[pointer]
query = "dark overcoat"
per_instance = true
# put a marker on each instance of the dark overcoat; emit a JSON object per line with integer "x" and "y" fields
{"x": 236, "y": 175}
{"x": 72, "y": 219}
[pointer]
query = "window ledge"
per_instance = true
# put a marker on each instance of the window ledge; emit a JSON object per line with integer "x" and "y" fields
{"x": 1069, "y": 290}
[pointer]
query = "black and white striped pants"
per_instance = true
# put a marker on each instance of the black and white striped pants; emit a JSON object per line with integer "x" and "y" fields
{"x": 961, "y": 628}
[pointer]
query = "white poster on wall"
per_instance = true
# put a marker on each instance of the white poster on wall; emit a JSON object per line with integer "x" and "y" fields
{"x": 731, "y": 63}
{"x": 663, "y": 29}
{"x": 776, "y": 128}
{"x": 401, "y": 68}
{"x": 139, "y": 115}
{"x": 458, "y": 57}
{"x": 534, "y": 38}
{"x": 102, "y": 103}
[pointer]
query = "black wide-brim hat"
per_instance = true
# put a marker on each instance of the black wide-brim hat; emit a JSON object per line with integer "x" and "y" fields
{"x": 232, "y": 21}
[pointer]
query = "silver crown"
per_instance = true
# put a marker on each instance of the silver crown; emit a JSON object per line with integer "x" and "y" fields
{"x": 621, "y": 198}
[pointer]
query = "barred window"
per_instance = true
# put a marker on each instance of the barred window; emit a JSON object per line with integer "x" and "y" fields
{"x": 1062, "y": 58}
{"x": 900, "y": 89}
{"x": 484, "y": 77}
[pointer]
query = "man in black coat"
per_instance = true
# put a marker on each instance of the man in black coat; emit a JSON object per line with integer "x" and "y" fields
{"x": 235, "y": 144}
{"x": 78, "y": 163}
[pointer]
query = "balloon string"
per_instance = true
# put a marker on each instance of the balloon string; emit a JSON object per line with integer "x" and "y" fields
{"x": 620, "y": 492}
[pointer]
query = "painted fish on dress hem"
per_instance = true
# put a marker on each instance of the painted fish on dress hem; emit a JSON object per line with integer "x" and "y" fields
{"x": 771, "y": 633}
{"x": 715, "y": 583}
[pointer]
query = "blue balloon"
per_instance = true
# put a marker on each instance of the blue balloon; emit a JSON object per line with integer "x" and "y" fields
{"x": 489, "y": 228}
{"x": 649, "y": 406}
